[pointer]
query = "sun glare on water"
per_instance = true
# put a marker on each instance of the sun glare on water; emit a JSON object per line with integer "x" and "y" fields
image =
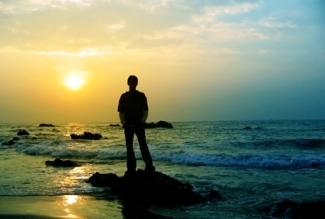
{"x": 74, "y": 82}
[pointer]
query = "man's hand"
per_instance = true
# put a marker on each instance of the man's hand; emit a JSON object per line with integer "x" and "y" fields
{"x": 128, "y": 126}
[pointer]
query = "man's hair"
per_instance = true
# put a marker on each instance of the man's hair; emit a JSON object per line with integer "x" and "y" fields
{"x": 132, "y": 77}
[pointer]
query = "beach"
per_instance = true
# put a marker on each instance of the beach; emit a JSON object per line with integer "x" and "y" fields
{"x": 50, "y": 207}
{"x": 253, "y": 164}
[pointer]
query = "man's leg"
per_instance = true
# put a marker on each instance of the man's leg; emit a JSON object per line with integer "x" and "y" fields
{"x": 141, "y": 135}
{"x": 130, "y": 157}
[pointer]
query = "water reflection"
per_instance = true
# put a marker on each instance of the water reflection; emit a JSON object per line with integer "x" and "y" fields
{"x": 70, "y": 199}
{"x": 68, "y": 202}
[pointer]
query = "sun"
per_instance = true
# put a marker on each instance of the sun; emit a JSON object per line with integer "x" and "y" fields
{"x": 74, "y": 82}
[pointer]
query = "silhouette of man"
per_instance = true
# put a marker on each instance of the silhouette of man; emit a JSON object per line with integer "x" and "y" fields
{"x": 133, "y": 113}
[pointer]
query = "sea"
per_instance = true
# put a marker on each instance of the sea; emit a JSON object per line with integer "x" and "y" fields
{"x": 252, "y": 164}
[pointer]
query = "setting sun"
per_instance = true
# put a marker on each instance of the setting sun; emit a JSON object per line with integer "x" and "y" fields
{"x": 74, "y": 82}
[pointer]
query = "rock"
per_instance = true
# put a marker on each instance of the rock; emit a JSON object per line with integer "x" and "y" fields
{"x": 22, "y": 132}
{"x": 247, "y": 128}
{"x": 160, "y": 124}
{"x": 103, "y": 180}
{"x": 8, "y": 143}
{"x": 149, "y": 188}
{"x": 86, "y": 135}
{"x": 61, "y": 163}
{"x": 45, "y": 125}
{"x": 15, "y": 139}
{"x": 282, "y": 207}
{"x": 214, "y": 195}
{"x": 295, "y": 210}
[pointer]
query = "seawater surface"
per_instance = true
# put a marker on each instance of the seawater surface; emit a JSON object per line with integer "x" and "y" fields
{"x": 252, "y": 168}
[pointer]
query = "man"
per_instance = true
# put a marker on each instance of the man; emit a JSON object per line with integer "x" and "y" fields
{"x": 133, "y": 112}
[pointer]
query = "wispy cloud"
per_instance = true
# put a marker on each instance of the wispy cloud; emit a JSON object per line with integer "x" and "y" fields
{"x": 23, "y": 6}
{"x": 115, "y": 27}
{"x": 208, "y": 26}
{"x": 276, "y": 23}
{"x": 92, "y": 51}
{"x": 151, "y": 6}
{"x": 210, "y": 14}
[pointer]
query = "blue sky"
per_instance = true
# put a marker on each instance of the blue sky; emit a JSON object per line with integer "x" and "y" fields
{"x": 196, "y": 60}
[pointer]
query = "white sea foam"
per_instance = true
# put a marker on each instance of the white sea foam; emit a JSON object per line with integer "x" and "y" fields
{"x": 244, "y": 160}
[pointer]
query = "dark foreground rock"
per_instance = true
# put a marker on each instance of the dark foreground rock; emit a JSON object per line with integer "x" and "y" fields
{"x": 61, "y": 163}
{"x": 22, "y": 132}
{"x": 295, "y": 210}
{"x": 87, "y": 135}
{"x": 160, "y": 124}
{"x": 114, "y": 125}
{"x": 149, "y": 188}
{"x": 45, "y": 125}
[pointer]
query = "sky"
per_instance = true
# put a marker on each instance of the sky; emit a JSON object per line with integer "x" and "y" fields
{"x": 197, "y": 60}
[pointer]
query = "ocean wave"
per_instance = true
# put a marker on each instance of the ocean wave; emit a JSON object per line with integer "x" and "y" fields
{"x": 54, "y": 150}
{"x": 310, "y": 142}
{"x": 244, "y": 160}
{"x": 300, "y": 142}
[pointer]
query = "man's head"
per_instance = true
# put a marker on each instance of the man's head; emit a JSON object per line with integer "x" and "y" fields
{"x": 132, "y": 82}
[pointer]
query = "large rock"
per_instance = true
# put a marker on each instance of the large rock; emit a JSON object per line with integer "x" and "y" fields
{"x": 10, "y": 142}
{"x": 149, "y": 188}
{"x": 61, "y": 163}
{"x": 22, "y": 132}
{"x": 86, "y": 135}
{"x": 114, "y": 125}
{"x": 295, "y": 210}
{"x": 45, "y": 125}
{"x": 160, "y": 124}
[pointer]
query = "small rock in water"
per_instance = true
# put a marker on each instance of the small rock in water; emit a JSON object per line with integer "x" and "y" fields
{"x": 87, "y": 136}
{"x": 22, "y": 132}
{"x": 46, "y": 125}
{"x": 61, "y": 163}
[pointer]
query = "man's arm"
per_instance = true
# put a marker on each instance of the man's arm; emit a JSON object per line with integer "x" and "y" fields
{"x": 120, "y": 109}
{"x": 144, "y": 116}
{"x": 145, "y": 109}
{"x": 122, "y": 118}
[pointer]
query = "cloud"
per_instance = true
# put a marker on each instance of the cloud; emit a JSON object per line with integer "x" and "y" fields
{"x": 23, "y": 6}
{"x": 92, "y": 51}
{"x": 209, "y": 25}
{"x": 153, "y": 5}
{"x": 210, "y": 14}
{"x": 276, "y": 23}
{"x": 115, "y": 27}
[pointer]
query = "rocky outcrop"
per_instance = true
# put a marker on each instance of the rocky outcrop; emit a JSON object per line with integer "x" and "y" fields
{"x": 61, "y": 163}
{"x": 160, "y": 124}
{"x": 87, "y": 135}
{"x": 304, "y": 210}
{"x": 22, "y": 132}
{"x": 150, "y": 188}
{"x": 249, "y": 128}
{"x": 10, "y": 142}
{"x": 45, "y": 125}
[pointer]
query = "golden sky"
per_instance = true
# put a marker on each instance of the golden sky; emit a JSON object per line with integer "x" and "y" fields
{"x": 196, "y": 60}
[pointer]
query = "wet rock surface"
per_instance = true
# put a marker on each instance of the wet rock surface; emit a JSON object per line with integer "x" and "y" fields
{"x": 61, "y": 163}
{"x": 298, "y": 210}
{"x": 46, "y": 125}
{"x": 150, "y": 188}
{"x": 160, "y": 124}
{"x": 22, "y": 132}
{"x": 87, "y": 136}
